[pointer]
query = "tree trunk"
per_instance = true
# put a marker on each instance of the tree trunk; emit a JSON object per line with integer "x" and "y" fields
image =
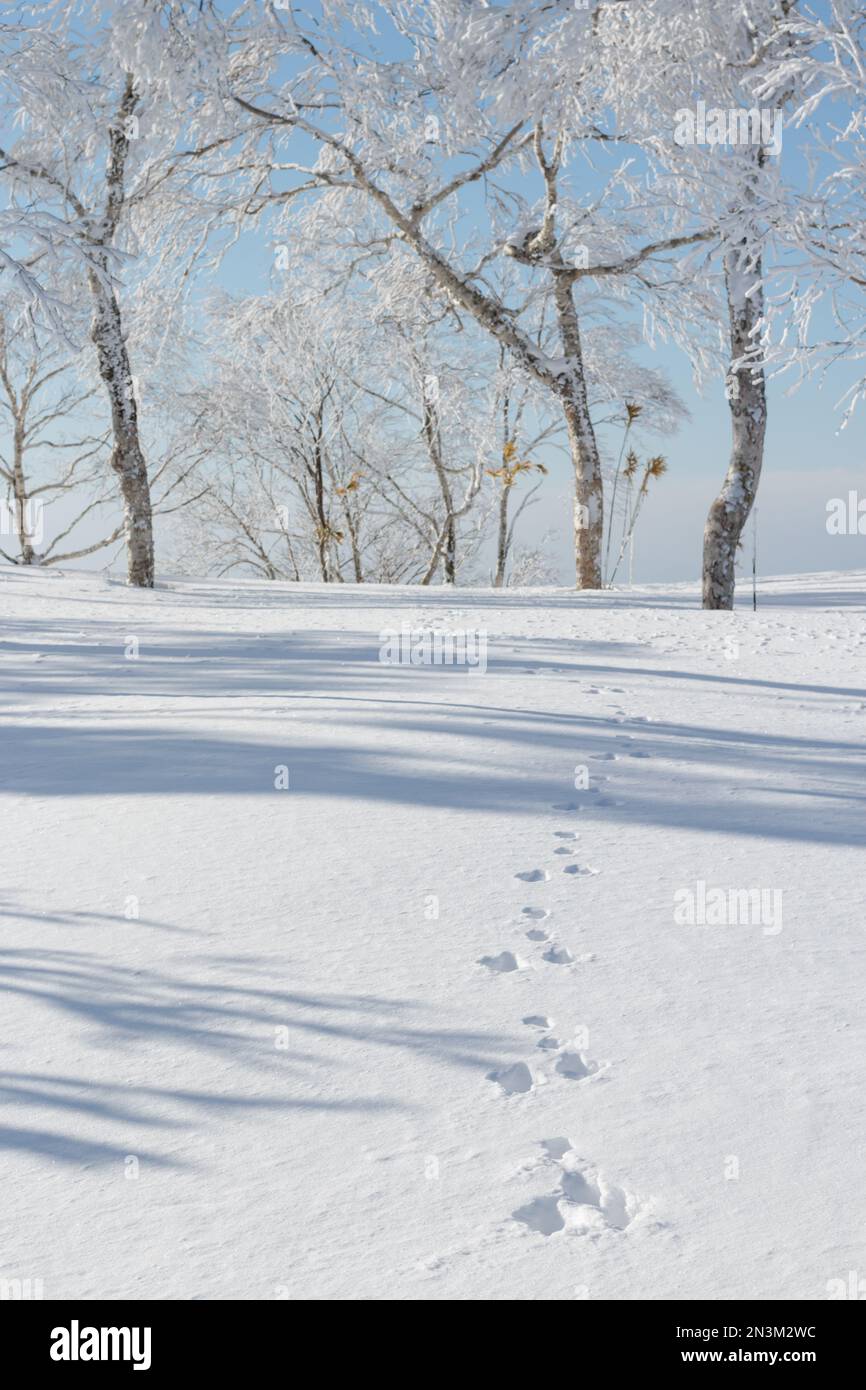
{"x": 570, "y": 386}
{"x": 323, "y": 529}
{"x": 449, "y": 558}
{"x": 748, "y": 404}
{"x": 352, "y": 528}
{"x": 448, "y": 549}
{"x": 588, "y": 497}
{"x": 22, "y": 519}
{"x": 127, "y": 457}
{"x": 502, "y": 540}
{"x": 583, "y": 447}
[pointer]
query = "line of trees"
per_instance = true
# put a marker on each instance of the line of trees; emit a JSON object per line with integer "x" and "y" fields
{"x": 478, "y": 215}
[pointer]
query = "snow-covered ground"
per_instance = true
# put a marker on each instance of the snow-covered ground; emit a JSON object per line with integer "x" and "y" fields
{"x": 428, "y": 1023}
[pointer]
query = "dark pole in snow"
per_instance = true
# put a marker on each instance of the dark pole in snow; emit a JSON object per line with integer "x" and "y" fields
{"x": 755, "y": 560}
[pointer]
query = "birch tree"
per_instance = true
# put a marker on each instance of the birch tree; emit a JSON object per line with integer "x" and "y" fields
{"x": 485, "y": 97}
{"x": 49, "y": 453}
{"x": 688, "y": 77}
{"x": 96, "y": 91}
{"x": 336, "y": 438}
{"x": 821, "y": 72}
{"x": 47, "y": 175}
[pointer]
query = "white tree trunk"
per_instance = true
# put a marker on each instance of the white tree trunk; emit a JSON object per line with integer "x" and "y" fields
{"x": 19, "y": 488}
{"x": 127, "y": 458}
{"x": 748, "y": 404}
{"x": 502, "y": 540}
{"x": 583, "y": 447}
{"x": 446, "y": 546}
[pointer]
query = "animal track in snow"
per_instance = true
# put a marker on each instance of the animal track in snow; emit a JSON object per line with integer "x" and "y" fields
{"x": 583, "y": 1201}
{"x": 556, "y": 1148}
{"x": 558, "y": 955}
{"x": 541, "y": 1215}
{"x": 514, "y": 1081}
{"x": 616, "y": 1207}
{"x": 504, "y": 963}
{"x": 575, "y": 1066}
{"x": 580, "y": 1188}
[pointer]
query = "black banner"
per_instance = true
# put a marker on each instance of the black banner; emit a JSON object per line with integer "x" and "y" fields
{"x": 225, "y": 1338}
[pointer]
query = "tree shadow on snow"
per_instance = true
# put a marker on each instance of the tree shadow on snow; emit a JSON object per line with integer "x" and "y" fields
{"x": 453, "y": 755}
{"x": 154, "y": 1020}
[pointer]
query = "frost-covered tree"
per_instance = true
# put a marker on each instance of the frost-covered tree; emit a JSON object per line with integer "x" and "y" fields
{"x": 50, "y": 457}
{"x": 820, "y": 73}
{"x": 688, "y": 79}
{"x": 465, "y": 108}
{"x": 339, "y": 444}
{"x": 96, "y": 95}
{"x": 289, "y": 452}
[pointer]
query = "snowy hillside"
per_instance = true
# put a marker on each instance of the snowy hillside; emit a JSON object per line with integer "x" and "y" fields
{"x": 460, "y": 1011}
